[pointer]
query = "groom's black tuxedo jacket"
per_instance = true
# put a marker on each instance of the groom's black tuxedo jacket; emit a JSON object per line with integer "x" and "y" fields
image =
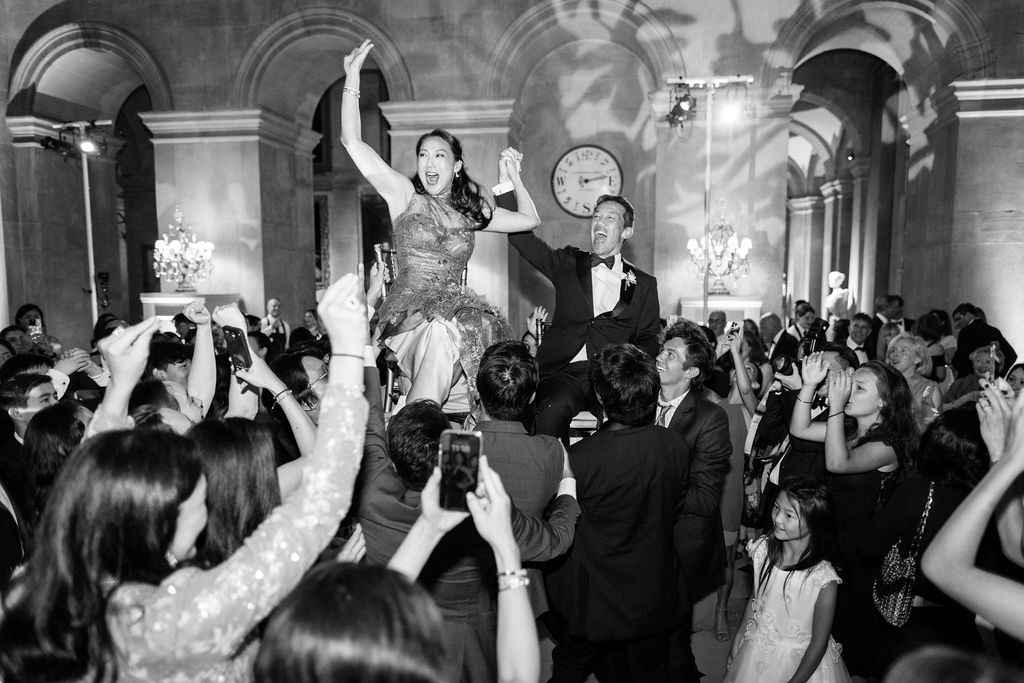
{"x": 634, "y": 319}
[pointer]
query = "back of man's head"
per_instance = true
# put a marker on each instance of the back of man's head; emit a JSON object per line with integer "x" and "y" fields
{"x": 966, "y": 309}
{"x": 164, "y": 353}
{"x": 24, "y": 364}
{"x": 413, "y": 436}
{"x": 626, "y": 380}
{"x": 506, "y": 380}
{"x": 14, "y": 392}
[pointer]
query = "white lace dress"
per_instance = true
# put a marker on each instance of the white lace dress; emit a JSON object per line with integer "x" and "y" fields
{"x": 777, "y": 635}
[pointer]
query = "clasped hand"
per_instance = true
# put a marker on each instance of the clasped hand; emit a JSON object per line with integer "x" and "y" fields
{"x": 510, "y": 164}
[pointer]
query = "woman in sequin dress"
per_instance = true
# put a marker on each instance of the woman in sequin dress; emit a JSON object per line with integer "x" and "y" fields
{"x": 110, "y": 592}
{"x": 433, "y": 326}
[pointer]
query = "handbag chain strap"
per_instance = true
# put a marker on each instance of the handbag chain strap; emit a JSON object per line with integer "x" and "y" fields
{"x": 916, "y": 543}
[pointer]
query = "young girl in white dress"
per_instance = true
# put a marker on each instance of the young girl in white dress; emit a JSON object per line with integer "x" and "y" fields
{"x": 786, "y": 632}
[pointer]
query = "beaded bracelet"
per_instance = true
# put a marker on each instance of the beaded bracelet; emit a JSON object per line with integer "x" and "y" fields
{"x": 351, "y": 91}
{"x": 513, "y": 579}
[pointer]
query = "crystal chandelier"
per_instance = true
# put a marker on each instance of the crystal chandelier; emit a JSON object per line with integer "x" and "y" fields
{"x": 720, "y": 254}
{"x": 180, "y": 258}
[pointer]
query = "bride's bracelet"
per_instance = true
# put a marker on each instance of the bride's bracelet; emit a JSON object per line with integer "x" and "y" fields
{"x": 351, "y": 91}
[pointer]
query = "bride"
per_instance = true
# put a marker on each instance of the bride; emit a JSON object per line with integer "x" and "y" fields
{"x": 432, "y": 325}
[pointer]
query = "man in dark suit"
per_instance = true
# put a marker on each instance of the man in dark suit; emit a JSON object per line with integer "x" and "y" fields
{"x": 600, "y": 299}
{"x": 460, "y": 571}
{"x": 12, "y": 541}
{"x": 614, "y": 596}
{"x": 530, "y": 467}
{"x": 888, "y": 309}
{"x": 777, "y": 341}
{"x": 685, "y": 361}
{"x": 973, "y": 334}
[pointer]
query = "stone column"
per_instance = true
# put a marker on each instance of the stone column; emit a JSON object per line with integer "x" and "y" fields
{"x": 110, "y": 247}
{"x": 806, "y": 229}
{"x": 484, "y": 127}
{"x": 863, "y": 231}
{"x": 243, "y": 179}
{"x": 987, "y": 237}
{"x": 836, "y": 194}
{"x": 45, "y": 237}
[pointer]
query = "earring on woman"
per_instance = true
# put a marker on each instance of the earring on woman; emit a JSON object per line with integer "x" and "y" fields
{"x": 171, "y": 559}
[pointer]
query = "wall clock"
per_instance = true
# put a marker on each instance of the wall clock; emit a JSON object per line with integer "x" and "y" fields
{"x": 582, "y": 175}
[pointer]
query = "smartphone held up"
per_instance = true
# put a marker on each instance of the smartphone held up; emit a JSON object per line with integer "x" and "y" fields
{"x": 459, "y": 455}
{"x": 237, "y": 342}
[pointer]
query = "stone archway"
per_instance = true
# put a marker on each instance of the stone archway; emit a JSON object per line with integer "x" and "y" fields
{"x": 603, "y": 59}
{"x": 550, "y": 25}
{"x": 930, "y": 45}
{"x": 84, "y": 70}
{"x": 41, "y": 71}
{"x": 263, "y": 79}
{"x": 959, "y": 45}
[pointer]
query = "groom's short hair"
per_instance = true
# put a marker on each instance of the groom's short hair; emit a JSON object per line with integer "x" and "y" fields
{"x": 621, "y": 201}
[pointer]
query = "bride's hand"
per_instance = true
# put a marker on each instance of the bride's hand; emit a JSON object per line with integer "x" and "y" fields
{"x": 354, "y": 60}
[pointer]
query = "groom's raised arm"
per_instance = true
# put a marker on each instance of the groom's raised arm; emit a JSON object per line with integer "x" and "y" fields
{"x": 532, "y": 248}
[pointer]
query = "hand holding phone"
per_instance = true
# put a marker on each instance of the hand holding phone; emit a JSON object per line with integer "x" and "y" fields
{"x": 460, "y": 466}
{"x": 237, "y": 342}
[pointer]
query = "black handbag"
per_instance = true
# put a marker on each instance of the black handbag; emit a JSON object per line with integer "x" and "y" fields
{"x": 893, "y": 589}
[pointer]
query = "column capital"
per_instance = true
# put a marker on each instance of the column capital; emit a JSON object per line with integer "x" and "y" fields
{"x": 836, "y": 188}
{"x": 989, "y": 98}
{"x": 859, "y": 167}
{"x": 808, "y": 204}
{"x": 26, "y": 131}
{"x": 459, "y": 117}
{"x": 233, "y": 125}
{"x": 779, "y": 105}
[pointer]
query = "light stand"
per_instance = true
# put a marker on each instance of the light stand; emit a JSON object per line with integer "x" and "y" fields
{"x": 86, "y": 145}
{"x": 712, "y": 85}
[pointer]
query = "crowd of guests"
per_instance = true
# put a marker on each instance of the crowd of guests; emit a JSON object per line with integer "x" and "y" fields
{"x": 169, "y": 516}
{"x": 232, "y": 500}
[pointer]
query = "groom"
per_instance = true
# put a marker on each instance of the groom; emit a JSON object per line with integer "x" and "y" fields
{"x": 600, "y": 299}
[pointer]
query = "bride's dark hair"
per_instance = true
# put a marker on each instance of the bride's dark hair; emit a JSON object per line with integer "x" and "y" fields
{"x": 466, "y": 196}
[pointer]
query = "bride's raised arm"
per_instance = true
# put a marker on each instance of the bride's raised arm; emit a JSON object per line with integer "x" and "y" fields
{"x": 395, "y": 188}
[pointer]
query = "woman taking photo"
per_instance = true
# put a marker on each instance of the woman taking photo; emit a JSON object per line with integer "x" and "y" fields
{"x": 110, "y": 592}
{"x": 869, "y": 437}
{"x": 436, "y": 328}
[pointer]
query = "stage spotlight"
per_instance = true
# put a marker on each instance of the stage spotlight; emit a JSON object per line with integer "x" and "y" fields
{"x": 88, "y": 146}
{"x": 732, "y": 112}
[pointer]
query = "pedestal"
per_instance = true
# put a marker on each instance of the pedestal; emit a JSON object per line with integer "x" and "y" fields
{"x": 736, "y": 309}
{"x": 166, "y": 305}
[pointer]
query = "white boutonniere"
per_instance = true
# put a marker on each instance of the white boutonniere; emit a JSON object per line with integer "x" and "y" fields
{"x": 630, "y": 278}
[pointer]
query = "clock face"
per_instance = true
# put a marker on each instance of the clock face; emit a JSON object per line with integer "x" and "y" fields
{"x": 582, "y": 175}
